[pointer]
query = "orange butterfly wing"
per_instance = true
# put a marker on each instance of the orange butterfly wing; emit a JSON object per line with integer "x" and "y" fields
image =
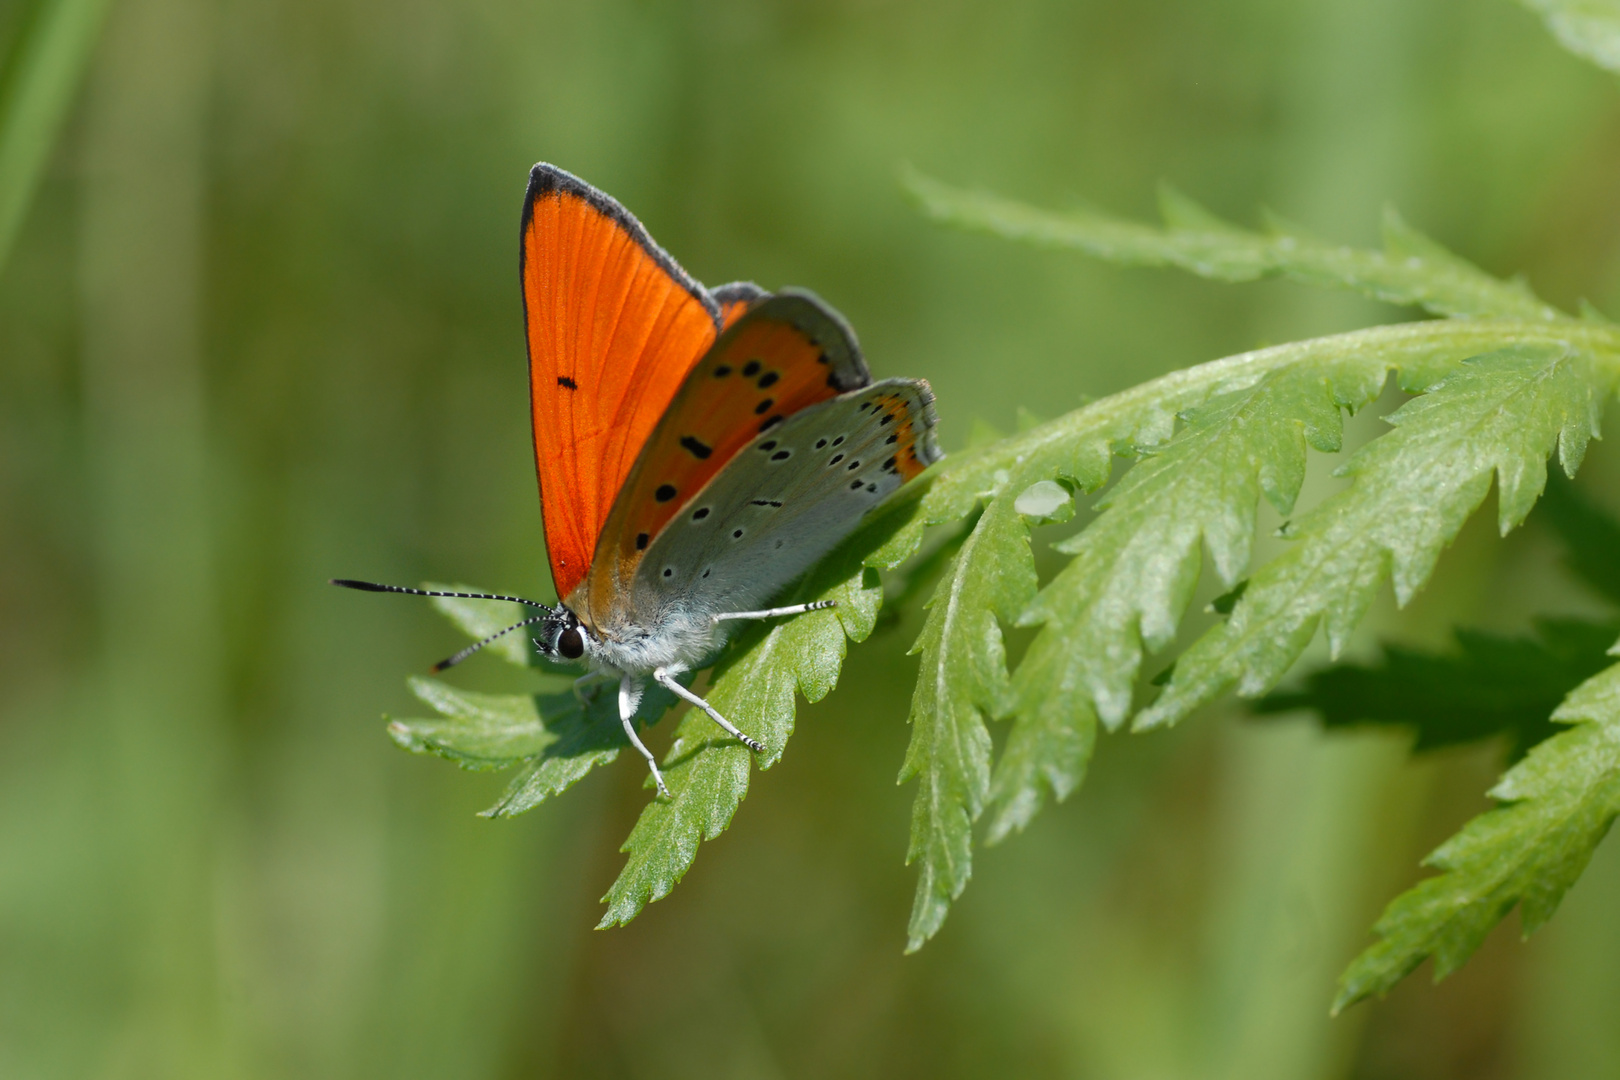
{"x": 736, "y": 298}
{"x": 613, "y": 326}
{"x": 784, "y": 353}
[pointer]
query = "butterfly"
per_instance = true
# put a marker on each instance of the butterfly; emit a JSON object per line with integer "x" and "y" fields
{"x": 697, "y": 449}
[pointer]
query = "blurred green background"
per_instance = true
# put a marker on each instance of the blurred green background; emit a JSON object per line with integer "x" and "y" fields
{"x": 260, "y": 327}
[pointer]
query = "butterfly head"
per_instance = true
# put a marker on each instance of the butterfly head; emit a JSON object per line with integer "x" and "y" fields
{"x": 561, "y": 636}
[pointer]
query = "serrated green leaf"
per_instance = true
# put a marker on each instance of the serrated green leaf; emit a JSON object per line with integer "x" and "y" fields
{"x": 583, "y": 738}
{"x": 1054, "y": 719}
{"x": 1500, "y": 415}
{"x": 478, "y": 731}
{"x": 964, "y": 677}
{"x": 1135, "y": 567}
{"x": 1561, "y": 799}
{"x": 921, "y": 573}
{"x": 754, "y": 685}
{"x": 1079, "y": 446}
{"x": 1587, "y": 28}
{"x": 554, "y": 738}
{"x": 1489, "y": 685}
{"x": 1411, "y": 270}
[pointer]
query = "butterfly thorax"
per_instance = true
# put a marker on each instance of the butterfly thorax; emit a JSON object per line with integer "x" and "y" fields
{"x": 667, "y": 638}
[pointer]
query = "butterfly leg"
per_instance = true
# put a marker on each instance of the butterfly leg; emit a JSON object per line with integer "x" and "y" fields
{"x": 586, "y": 682}
{"x": 771, "y": 613}
{"x": 667, "y": 679}
{"x": 629, "y": 698}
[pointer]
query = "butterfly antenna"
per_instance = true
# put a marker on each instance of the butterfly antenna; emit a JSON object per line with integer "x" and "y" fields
{"x": 475, "y": 646}
{"x": 371, "y": 586}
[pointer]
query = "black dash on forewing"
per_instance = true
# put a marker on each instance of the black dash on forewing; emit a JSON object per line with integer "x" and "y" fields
{"x": 871, "y": 488}
{"x": 823, "y": 359}
{"x": 766, "y": 502}
{"x": 836, "y": 458}
{"x": 669, "y": 571}
{"x": 892, "y": 439}
{"x": 770, "y": 423}
{"x": 888, "y": 466}
{"x": 764, "y": 407}
{"x": 751, "y": 368}
{"x": 821, "y": 444}
{"x": 641, "y": 541}
{"x": 832, "y": 381}
{"x": 767, "y": 379}
{"x": 768, "y": 445}
{"x": 781, "y": 455}
{"x": 696, "y": 446}
{"x": 736, "y": 534}
{"x": 706, "y": 570}
{"x": 566, "y": 383}
{"x": 700, "y": 513}
{"x": 838, "y": 440}
{"x": 856, "y": 485}
{"x": 887, "y": 418}
{"x": 665, "y": 492}
{"x": 722, "y": 371}
{"x": 852, "y": 466}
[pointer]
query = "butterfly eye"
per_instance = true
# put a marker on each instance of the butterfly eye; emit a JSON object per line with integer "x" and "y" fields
{"x": 570, "y": 645}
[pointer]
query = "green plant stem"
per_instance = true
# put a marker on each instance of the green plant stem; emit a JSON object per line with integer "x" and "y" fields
{"x": 35, "y": 91}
